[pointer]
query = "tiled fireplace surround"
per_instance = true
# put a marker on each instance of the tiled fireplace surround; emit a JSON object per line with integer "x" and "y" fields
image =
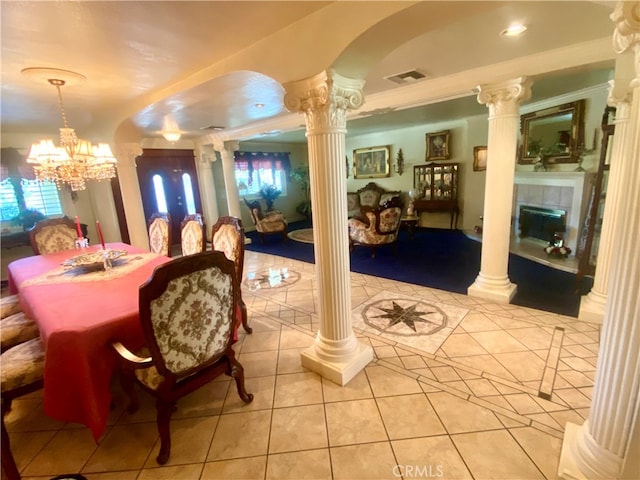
{"x": 567, "y": 191}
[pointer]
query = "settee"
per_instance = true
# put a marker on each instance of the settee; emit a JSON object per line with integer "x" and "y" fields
{"x": 371, "y": 196}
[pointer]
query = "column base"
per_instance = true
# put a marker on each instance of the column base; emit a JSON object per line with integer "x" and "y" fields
{"x": 581, "y": 458}
{"x": 568, "y": 467}
{"x": 592, "y": 308}
{"x": 340, "y": 372}
{"x": 501, "y": 292}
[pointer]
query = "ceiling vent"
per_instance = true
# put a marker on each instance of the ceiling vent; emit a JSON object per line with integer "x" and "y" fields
{"x": 409, "y": 76}
{"x": 212, "y": 127}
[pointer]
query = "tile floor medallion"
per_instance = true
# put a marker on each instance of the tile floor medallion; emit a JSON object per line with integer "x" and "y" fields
{"x": 416, "y": 322}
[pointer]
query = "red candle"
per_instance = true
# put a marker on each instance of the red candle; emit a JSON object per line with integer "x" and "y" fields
{"x": 100, "y": 234}
{"x": 78, "y": 227}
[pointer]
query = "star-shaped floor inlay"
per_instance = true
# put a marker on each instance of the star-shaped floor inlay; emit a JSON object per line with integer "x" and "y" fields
{"x": 409, "y": 315}
{"x": 405, "y": 317}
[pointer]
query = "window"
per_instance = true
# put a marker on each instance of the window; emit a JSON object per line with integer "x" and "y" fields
{"x": 41, "y": 196}
{"x": 158, "y": 190}
{"x": 188, "y": 194}
{"x": 254, "y": 170}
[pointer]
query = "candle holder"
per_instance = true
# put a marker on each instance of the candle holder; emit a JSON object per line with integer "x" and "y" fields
{"x": 82, "y": 242}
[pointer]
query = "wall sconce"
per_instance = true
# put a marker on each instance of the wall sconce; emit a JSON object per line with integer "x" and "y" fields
{"x": 399, "y": 168}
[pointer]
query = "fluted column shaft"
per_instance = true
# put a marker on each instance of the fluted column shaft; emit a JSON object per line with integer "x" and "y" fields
{"x": 226, "y": 150}
{"x": 597, "y": 448}
{"x": 126, "y": 153}
{"x": 592, "y": 305}
{"x": 325, "y": 99}
{"x": 207, "y": 188}
{"x": 504, "y": 118}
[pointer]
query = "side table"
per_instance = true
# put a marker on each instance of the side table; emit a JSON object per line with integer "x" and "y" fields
{"x": 410, "y": 222}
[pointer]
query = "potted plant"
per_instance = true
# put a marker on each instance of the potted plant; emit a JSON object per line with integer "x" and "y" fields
{"x": 301, "y": 175}
{"x": 269, "y": 193}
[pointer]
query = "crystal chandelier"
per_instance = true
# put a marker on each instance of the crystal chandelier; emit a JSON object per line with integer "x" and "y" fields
{"x": 170, "y": 129}
{"x": 75, "y": 161}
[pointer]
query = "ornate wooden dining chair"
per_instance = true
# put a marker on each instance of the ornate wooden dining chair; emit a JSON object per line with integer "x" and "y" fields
{"x": 192, "y": 234}
{"x": 22, "y": 372}
{"x": 187, "y": 317}
{"x": 227, "y": 235}
{"x": 53, "y": 235}
{"x": 159, "y": 227}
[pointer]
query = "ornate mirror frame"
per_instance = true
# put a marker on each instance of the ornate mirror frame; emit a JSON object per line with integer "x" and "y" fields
{"x": 556, "y": 132}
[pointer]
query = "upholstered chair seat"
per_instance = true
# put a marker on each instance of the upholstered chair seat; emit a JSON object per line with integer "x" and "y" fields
{"x": 53, "y": 235}
{"x": 9, "y": 305}
{"x": 270, "y": 222}
{"x": 379, "y": 226}
{"x": 16, "y": 329}
{"x": 22, "y": 372}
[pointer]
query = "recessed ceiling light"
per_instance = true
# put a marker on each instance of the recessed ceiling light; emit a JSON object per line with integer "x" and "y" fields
{"x": 514, "y": 30}
{"x": 259, "y": 105}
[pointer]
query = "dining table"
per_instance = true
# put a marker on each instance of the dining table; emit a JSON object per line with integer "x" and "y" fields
{"x": 82, "y": 306}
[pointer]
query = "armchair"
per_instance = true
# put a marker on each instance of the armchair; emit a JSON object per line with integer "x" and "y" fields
{"x": 379, "y": 226}
{"x": 271, "y": 222}
{"x": 187, "y": 313}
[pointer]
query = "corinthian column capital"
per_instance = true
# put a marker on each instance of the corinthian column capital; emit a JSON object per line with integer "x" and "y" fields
{"x": 626, "y": 16}
{"x": 621, "y": 100}
{"x": 324, "y": 99}
{"x": 503, "y": 98}
{"x": 126, "y": 153}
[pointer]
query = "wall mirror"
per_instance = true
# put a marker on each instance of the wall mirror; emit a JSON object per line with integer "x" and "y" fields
{"x": 556, "y": 132}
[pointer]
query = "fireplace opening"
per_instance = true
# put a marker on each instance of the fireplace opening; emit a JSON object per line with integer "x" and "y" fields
{"x": 541, "y": 223}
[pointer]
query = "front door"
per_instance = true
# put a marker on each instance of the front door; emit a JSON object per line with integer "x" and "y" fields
{"x": 169, "y": 182}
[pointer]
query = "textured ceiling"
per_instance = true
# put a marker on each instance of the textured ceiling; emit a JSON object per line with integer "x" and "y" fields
{"x": 209, "y": 63}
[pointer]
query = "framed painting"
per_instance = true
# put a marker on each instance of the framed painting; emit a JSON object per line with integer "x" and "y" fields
{"x": 372, "y": 162}
{"x": 479, "y": 159}
{"x": 438, "y": 145}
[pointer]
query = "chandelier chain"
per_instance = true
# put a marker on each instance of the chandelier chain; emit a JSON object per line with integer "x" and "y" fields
{"x": 61, "y": 104}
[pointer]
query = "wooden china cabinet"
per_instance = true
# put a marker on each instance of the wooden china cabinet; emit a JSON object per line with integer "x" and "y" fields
{"x": 437, "y": 187}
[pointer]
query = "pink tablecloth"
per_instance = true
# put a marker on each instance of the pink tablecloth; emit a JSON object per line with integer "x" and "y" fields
{"x": 79, "y": 315}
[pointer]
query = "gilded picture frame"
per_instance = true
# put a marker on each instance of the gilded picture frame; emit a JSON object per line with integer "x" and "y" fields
{"x": 373, "y": 162}
{"x": 438, "y": 145}
{"x": 479, "y": 159}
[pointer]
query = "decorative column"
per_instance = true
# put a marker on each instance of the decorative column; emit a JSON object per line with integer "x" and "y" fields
{"x": 592, "y": 305}
{"x": 325, "y": 99}
{"x": 207, "y": 186}
{"x": 600, "y": 446}
{"x": 504, "y": 119}
{"x": 126, "y": 154}
{"x": 226, "y": 149}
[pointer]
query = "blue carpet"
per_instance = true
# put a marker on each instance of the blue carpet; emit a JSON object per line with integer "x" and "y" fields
{"x": 447, "y": 260}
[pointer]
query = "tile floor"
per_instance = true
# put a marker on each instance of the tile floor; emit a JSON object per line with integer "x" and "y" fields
{"x": 477, "y": 390}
